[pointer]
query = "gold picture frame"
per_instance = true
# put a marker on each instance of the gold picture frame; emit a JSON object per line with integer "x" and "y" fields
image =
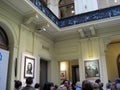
{"x": 62, "y": 75}
{"x": 92, "y": 69}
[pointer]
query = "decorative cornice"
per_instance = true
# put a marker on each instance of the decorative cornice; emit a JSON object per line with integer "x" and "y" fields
{"x": 81, "y": 18}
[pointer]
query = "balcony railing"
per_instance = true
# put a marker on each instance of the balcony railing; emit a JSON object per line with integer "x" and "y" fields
{"x": 80, "y": 18}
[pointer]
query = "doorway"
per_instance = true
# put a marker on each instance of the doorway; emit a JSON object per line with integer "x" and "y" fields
{"x": 43, "y": 72}
{"x": 70, "y": 69}
{"x": 75, "y": 74}
{"x": 118, "y": 64}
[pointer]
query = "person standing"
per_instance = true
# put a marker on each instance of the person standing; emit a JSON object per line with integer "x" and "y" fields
{"x": 98, "y": 81}
{"x": 18, "y": 85}
{"x": 117, "y": 80}
{"x": 65, "y": 85}
{"x": 87, "y": 85}
{"x": 78, "y": 86}
{"x": 48, "y": 86}
{"x": 29, "y": 82}
{"x": 37, "y": 86}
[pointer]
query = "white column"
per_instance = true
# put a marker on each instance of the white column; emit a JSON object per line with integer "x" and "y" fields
{"x": 36, "y": 54}
{"x": 104, "y": 75}
{"x": 55, "y": 72}
{"x": 81, "y": 70}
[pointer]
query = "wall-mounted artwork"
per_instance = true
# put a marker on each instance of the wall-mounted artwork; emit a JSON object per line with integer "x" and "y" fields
{"x": 92, "y": 69}
{"x": 29, "y": 67}
{"x": 62, "y": 75}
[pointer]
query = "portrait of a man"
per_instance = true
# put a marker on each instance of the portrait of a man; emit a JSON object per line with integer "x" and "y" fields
{"x": 91, "y": 69}
{"x": 29, "y": 67}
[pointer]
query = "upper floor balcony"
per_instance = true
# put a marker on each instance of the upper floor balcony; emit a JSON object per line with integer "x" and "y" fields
{"x": 72, "y": 12}
{"x": 82, "y": 18}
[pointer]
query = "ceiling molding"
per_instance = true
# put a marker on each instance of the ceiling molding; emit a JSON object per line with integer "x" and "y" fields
{"x": 92, "y": 29}
{"x": 81, "y": 32}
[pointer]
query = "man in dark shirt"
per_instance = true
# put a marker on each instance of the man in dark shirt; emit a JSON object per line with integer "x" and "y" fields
{"x": 29, "y": 82}
{"x": 98, "y": 81}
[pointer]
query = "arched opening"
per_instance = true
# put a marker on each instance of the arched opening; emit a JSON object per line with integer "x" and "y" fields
{"x": 10, "y": 42}
{"x": 4, "y": 58}
{"x": 118, "y": 64}
{"x": 3, "y": 39}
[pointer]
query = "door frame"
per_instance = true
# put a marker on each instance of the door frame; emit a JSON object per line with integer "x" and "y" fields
{"x": 73, "y": 73}
{"x": 41, "y": 87}
{"x": 118, "y": 64}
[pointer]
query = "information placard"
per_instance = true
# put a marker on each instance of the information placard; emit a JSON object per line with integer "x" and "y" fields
{"x": 4, "y": 56}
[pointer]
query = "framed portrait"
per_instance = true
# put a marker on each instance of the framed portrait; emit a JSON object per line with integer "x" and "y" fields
{"x": 62, "y": 75}
{"x": 29, "y": 67}
{"x": 92, "y": 69}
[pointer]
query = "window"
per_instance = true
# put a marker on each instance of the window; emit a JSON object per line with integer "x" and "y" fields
{"x": 44, "y": 2}
{"x": 66, "y": 8}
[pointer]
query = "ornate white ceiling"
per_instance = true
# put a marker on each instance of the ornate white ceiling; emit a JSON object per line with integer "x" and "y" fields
{"x": 33, "y": 15}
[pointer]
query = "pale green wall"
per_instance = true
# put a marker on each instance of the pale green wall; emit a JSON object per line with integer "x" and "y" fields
{"x": 85, "y": 49}
{"x": 23, "y": 40}
{"x": 67, "y": 49}
{"x": 9, "y": 20}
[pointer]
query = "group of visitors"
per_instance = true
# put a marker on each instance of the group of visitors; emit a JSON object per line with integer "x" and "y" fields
{"x": 68, "y": 85}
{"x": 113, "y": 85}
{"x": 86, "y": 85}
{"x": 29, "y": 82}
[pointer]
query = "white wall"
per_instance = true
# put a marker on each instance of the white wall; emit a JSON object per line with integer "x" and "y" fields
{"x": 53, "y": 6}
{"x": 82, "y": 6}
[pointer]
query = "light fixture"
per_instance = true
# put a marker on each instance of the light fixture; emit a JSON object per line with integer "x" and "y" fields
{"x": 115, "y": 1}
{"x": 42, "y": 27}
{"x": 62, "y": 66}
{"x": 72, "y": 11}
